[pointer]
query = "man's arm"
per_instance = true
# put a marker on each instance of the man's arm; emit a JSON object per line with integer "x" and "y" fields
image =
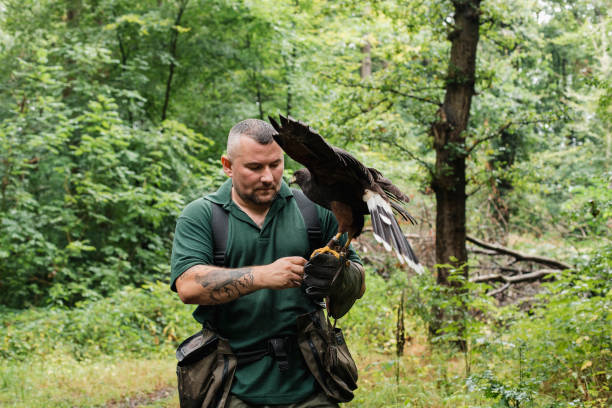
{"x": 213, "y": 285}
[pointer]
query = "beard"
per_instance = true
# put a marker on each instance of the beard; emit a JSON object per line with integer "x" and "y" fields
{"x": 254, "y": 198}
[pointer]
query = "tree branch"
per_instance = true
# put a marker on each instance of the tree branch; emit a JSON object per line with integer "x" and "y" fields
{"x": 413, "y": 156}
{"x": 514, "y": 279}
{"x": 498, "y": 290}
{"x": 553, "y": 263}
{"x": 383, "y": 90}
{"x": 489, "y": 137}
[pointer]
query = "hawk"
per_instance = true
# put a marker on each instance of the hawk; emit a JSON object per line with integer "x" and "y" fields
{"x": 336, "y": 180}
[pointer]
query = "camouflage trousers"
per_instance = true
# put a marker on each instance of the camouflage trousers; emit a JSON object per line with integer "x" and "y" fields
{"x": 318, "y": 400}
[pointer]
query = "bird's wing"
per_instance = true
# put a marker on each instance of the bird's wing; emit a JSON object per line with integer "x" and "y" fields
{"x": 396, "y": 197}
{"x": 328, "y": 164}
{"x": 388, "y": 232}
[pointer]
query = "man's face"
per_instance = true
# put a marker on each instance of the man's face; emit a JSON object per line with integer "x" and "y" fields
{"x": 256, "y": 171}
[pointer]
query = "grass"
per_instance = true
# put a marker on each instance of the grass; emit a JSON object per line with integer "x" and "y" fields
{"x": 61, "y": 381}
{"x": 541, "y": 356}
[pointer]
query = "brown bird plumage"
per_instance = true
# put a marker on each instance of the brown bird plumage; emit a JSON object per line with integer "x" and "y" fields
{"x": 336, "y": 180}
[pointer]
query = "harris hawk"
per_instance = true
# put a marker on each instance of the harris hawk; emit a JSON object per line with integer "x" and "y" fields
{"x": 336, "y": 180}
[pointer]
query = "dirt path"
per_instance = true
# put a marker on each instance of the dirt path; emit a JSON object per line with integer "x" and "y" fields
{"x": 140, "y": 400}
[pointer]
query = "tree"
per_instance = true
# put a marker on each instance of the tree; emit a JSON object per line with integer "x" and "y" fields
{"x": 449, "y": 139}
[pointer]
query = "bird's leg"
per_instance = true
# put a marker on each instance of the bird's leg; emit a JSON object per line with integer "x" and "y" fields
{"x": 328, "y": 248}
{"x": 344, "y": 250}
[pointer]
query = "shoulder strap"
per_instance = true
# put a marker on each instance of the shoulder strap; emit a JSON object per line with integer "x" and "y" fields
{"x": 311, "y": 218}
{"x": 219, "y": 223}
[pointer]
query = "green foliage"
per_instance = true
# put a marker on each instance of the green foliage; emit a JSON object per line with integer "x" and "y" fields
{"x": 562, "y": 348}
{"x": 464, "y": 304}
{"x": 506, "y": 397}
{"x": 566, "y": 341}
{"x": 92, "y": 179}
{"x": 372, "y": 319}
{"x": 131, "y": 322}
{"x": 89, "y": 202}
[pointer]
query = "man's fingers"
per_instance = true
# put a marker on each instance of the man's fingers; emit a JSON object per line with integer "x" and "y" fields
{"x": 297, "y": 260}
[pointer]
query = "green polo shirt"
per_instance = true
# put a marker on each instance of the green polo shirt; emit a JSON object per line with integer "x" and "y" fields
{"x": 264, "y": 313}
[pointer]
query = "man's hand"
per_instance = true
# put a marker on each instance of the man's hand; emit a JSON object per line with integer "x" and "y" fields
{"x": 319, "y": 273}
{"x": 282, "y": 274}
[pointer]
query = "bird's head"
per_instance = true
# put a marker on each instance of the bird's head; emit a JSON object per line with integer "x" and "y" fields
{"x": 300, "y": 177}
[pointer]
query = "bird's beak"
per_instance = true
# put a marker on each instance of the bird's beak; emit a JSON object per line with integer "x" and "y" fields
{"x": 292, "y": 180}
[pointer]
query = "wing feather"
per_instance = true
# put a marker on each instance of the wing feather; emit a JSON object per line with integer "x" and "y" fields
{"x": 388, "y": 232}
{"x": 327, "y": 164}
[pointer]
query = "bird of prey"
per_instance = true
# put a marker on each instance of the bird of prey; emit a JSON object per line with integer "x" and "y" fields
{"x": 336, "y": 180}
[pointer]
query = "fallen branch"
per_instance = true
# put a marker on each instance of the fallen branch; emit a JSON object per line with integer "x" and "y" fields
{"x": 553, "y": 263}
{"x": 498, "y": 290}
{"x": 514, "y": 279}
{"x": 483, "y": 252}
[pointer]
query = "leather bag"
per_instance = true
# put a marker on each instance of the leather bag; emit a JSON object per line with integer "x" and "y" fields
{"x": 327, "y": 355}
{"x": 205, "y": 370}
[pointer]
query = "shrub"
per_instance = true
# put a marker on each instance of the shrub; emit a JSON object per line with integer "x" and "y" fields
{"x": 89, "y": 203}
{"x": 132, "y": 321}
{"x": 566, "y": 341}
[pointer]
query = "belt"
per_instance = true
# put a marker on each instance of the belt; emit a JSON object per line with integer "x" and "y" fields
{"x": 277, "y": 347}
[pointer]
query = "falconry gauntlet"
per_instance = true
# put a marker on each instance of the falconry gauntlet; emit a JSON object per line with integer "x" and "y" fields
{"x": 339, "y": 280}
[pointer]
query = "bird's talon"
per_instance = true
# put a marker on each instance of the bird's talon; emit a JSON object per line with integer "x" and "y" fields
{"x": 325, "y": 249}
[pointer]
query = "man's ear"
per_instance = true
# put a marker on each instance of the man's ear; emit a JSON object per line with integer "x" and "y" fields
{"x": 227, "y": 165}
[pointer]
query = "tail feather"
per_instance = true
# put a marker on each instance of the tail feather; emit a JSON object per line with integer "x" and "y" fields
{"x": 388, "y": 232}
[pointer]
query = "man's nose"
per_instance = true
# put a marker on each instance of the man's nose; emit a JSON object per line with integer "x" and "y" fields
{"x": 266, "y": 175}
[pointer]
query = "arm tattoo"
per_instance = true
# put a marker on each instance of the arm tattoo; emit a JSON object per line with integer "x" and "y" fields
{"x": 226, "y": 284}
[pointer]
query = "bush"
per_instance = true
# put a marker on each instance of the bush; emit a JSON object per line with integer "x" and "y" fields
{"x": 133, "y": 321}
{"x": 89, "y": 203}
{"x": 566, "y": 341}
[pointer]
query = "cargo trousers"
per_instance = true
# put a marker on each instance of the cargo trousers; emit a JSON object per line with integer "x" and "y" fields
{"x": 318, "y": 400}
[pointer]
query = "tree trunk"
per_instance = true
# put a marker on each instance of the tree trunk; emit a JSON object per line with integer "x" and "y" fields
{"x": 288, "y": 77}
{"x": 290, "y": 64}
{"x": 449, "y": 132}
{"x": 173, "y": 53}
{"x": 501, "y": 180}
{"x": 366, "y": 62}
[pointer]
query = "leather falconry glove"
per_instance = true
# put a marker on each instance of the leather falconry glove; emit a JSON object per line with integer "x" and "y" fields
{"x": 343, "y": 291}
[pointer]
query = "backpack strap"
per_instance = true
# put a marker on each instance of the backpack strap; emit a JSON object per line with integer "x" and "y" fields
{"x": 311, "y": 218}
{"x": 220, "y": 223}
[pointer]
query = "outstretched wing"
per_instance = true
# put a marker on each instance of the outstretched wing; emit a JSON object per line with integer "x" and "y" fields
{"x": 327, "y": 164}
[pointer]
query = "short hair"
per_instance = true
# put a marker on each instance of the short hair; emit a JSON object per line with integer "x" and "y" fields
{"x": 258, "y": 130}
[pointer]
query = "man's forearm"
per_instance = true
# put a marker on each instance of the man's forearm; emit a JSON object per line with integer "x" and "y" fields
{"x": 212, "y": 285}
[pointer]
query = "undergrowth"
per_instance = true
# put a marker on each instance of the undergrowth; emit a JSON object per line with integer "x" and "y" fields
{"x": 556, "y": 355}
{"x": 131, "y": 322}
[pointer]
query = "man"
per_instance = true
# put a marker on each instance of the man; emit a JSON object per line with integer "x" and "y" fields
{"x": 259, "y": 295}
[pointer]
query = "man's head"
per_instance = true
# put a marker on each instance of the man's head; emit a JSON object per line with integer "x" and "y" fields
{"x": 254, "y": 161}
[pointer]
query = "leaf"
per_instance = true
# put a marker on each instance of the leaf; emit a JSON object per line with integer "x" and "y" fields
{"x": 586, "y": 365}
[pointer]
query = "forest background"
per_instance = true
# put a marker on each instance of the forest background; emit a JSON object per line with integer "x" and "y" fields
{"x": 113, "y": 116}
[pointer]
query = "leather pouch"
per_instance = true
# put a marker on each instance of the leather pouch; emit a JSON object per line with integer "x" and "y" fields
{"x": 327, "y": 355}
{"x": 205, "y": 370}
